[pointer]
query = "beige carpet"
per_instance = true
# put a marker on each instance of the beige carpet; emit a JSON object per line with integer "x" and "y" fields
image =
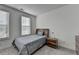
{"x": 43, "y": 51}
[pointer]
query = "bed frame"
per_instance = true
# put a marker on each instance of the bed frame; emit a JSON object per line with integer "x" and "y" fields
{"x": 45, "y": 32}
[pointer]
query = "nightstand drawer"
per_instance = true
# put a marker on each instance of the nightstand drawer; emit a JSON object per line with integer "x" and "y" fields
{"x": 52, "y": 43}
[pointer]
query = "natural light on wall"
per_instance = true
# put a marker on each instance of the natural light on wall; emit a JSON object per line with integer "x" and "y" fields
{"x": 25, "y": 26}
{"x": 4, "y": 24}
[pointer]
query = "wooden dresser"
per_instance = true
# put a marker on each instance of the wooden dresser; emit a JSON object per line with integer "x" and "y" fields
{"x": 77, "y": 44}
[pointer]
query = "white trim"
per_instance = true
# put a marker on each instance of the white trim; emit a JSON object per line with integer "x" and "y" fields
{"x": 27, "y": 26}
{"x": 8, "y": 14}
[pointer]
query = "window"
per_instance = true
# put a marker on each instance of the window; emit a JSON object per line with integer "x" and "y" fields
{"x": 4, "y": 24}
{"x": 25, "y": 26}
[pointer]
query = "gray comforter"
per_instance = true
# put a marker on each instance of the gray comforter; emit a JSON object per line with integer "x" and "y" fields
{"x": 28, "y": 44}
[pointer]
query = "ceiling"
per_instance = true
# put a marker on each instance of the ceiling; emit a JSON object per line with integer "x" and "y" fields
{"x": 36, "y": 9}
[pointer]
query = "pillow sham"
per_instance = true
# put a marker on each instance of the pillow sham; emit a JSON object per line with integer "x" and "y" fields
{"x": 40, "y": 33}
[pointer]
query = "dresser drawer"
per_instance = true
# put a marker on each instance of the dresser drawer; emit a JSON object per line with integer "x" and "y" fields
{"x": 77, "y": 44}
{"x": 77, "y": 36}
{"x": 77, "y": 51}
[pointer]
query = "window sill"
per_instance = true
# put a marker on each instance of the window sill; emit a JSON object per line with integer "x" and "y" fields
{"x": 6, "y": 38}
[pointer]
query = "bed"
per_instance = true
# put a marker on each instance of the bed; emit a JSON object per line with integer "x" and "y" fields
{"x": 28, "y": 45}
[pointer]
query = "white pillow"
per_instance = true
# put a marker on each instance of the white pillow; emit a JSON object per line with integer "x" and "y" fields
{"x": 40, "y": 33}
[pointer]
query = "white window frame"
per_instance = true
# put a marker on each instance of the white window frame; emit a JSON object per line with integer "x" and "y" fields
{"x": 26, "y": 26}
{"x": 8, "y": 14}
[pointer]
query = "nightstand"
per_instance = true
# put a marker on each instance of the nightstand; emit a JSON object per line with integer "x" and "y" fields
{"x": 52, "y": 42}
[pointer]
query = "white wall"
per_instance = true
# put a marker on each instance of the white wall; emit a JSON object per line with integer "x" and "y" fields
{"x": 64, "y": 22}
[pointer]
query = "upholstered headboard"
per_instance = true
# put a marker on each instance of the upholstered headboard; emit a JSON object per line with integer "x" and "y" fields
{"x": 45, "y": 32}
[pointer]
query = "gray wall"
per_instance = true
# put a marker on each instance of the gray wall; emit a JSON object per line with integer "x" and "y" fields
{"x": 15, "y": 17}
